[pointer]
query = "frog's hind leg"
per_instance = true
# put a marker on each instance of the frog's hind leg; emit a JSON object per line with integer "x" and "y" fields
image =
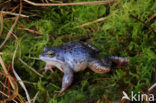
{"x": 100, "y": 66}
{"x": 91, "y": 47}
{"x": 120, "y": 60}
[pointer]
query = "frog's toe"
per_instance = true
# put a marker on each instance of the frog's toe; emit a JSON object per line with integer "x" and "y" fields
{"x": 59, "y": 92}
{"x": 45, "y": 69}
{"x": 51, "y": 70}
{"x": 48, "y": 68}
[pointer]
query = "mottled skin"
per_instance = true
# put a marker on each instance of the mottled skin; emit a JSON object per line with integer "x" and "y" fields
{"x": 75, "y": 57}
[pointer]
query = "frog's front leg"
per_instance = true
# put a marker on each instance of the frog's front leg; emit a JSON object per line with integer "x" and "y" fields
{"x": 48, "y": 67}
{"x": 67, "y": 79}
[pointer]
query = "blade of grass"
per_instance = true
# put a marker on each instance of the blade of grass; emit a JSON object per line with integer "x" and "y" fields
{"x": 18, "y": 78}
{"x": 30, "y": 68}
{"x": 34, "y": 99}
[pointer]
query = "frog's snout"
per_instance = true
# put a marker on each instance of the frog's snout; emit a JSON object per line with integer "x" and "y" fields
{"x": 41, "y": 55}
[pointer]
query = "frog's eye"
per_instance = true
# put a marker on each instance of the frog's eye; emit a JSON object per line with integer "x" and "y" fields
{"x": 50, "y": 53}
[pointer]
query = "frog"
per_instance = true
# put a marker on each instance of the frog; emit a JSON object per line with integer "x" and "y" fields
{"x": 74, "y": 57}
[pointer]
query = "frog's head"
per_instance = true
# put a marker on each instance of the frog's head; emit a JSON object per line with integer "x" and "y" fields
{"x": 47, "y": 54}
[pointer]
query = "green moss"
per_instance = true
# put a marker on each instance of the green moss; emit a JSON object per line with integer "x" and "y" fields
{"x": 124, "y": 33}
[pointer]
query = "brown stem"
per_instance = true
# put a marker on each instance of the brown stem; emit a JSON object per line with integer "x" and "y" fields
{"x": 70, "y": 4}
{"x": 12, "y": 27}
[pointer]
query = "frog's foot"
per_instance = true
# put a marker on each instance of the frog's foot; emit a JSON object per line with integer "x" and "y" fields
{"x": 119, "y": 60}
{"x": 59, "y": 92}
{"x": 90, "y": 46}
{"x": 100, "y": 66}
{"x": 46, "y": 68}
{"x": 66, "y": 82}
{"x": 67, "y": 79}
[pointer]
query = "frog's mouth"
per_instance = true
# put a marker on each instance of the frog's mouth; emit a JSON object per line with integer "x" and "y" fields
{"x": 41, "y": 56}
{"x": 44, "y": 57}
{"x": 51, "y": 61}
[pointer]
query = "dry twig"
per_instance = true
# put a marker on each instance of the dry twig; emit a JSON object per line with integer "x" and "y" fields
{"x": 17, "y": 76}
{"x": 31, "y": 31}
{"x": 34, "y": 99}
{"x": 33, "y": 83}
{"x": 15, "y": 14}
{"x": 151, "y": 17}
{"x": 6, "y": 72}
{"x": 95, "y": 21}
{"x": 145, "y": 24}
{"x": 1, "y": 19}
{"x": 14, "y": 8}
{"x": 5, "y": 2}
{"x": 7, "y": 96}
{"x": 13, "y": 34}
{"x": 11, "y": 81}
{"x": 30, "y": 68}
{"x": 151, "y": 30}
{"x": 12, "y": 27}
{"x": 70, "y": 4}
{"x": 92, "y": 22}
{"x": 3, "y": 84}
{"x": 153, "y": 86}
{"x": 34, "y": 58}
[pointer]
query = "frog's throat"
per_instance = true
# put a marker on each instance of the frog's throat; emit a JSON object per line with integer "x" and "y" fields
{"x": 58, "y": 64}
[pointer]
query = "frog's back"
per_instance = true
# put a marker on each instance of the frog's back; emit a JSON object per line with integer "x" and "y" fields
{"x": 73, "y": 48}
{"x": 77, "y": 54}
{"x": 78, "y": 48}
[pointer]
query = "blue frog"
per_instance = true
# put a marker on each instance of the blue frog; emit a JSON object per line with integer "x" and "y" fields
{"x": 74, "y": 57}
